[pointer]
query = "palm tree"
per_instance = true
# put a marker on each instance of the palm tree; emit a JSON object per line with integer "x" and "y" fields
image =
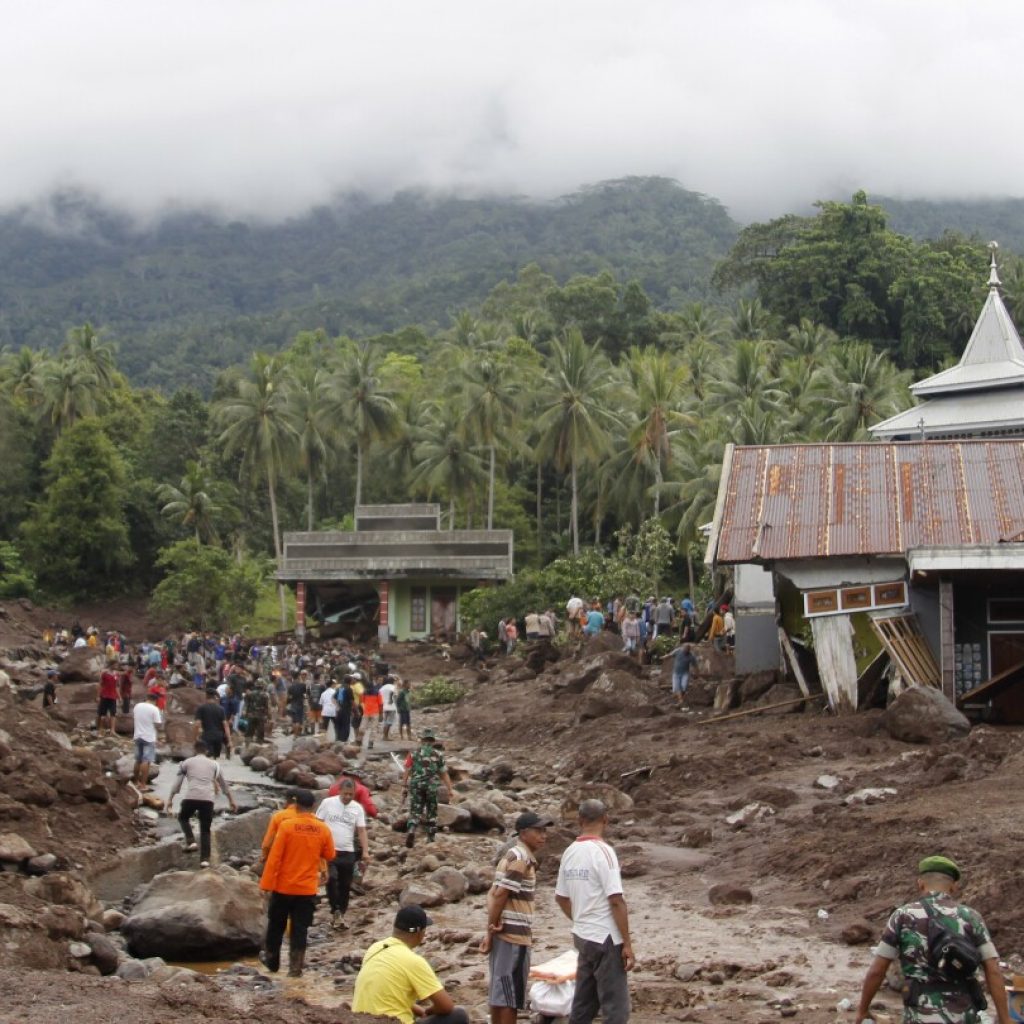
{"x": 358, "y": 400}
{"x": 84, "y": 345}
{"x": 748, "y": 375}
{"x": 751, "y": 321}
{"x": 862, "y": 387}
{"x": 446, "y": 461}
{"x": 658, "y": 385}
{"x": 67, "y": 391}
{"x": 21, "y": 373}
{"x": 490, "y": 395}
{"x": 258, "y": 422}
{"x": 575, "y": 416}
{"x": 194, "y": 502}
{"x": 308, "y": 394}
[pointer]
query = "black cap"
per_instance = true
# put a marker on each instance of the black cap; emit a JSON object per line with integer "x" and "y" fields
{"x": 412, "y": 918}
{"x": 304, "y": 798}
{"x": 530, "y": 820}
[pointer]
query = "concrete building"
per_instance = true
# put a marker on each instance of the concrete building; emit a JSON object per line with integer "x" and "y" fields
{"x": 397, "y": 568}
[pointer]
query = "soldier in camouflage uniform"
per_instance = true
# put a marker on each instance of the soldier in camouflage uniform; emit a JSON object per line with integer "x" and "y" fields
{"x": 257, "y": 707}
{"x": 424, "y": 771}
{"x": 928, "y": 996}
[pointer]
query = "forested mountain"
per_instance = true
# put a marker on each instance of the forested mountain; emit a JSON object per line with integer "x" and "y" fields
{"x": 191, "y": 293}
{"x": 986, "y": 219}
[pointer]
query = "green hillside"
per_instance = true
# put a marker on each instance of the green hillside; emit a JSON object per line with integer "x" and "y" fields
{"x": 986, "y": 219}
{"x": 192, "y": 294}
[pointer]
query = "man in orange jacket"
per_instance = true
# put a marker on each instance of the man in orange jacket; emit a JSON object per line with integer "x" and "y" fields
{"x": 291, "y": 876}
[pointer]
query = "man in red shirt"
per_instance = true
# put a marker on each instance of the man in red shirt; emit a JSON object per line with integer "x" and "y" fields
{"x": 363, "y": 796}
{"x": 106, "y": 710}
{"x": 125, "y": 687}
{"x": 157, "y": 689}
{"x": 292, "y": 876}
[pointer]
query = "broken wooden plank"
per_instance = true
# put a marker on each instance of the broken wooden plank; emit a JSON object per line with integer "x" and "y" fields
{"x": 757, "y": 711}
{"x": 794, "y": 661}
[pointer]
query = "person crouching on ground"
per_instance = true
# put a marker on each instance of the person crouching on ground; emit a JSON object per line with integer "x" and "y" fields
{"x": 394, "y": 979}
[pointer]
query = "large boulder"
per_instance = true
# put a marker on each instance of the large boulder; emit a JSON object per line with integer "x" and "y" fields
{"x": 779, "y": 694}
{"x": 422, "y": 893}
{"x": 14, "y": 849}
{"x": 614, "y": 799}
{"x": 922, "y": 714}
{"x": 577, "y": 676}
{"x": 456, "y": 817}
{"x": 66, "y": 891}
{"x": 612, "y": 692}
{"x": 485, "y": 814}
{"x": 756, "y": 685}
{"x": 189, "y": 915}
{"x": 82, "y": 665}
{"x": 453, "y": 883}
{"x": 180, "y": 733}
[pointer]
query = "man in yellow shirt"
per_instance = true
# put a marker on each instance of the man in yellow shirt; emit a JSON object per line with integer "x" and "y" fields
{"x": 394, "y": 978}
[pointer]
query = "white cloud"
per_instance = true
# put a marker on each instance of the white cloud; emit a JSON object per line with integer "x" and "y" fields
{"x": 266, "y": 107}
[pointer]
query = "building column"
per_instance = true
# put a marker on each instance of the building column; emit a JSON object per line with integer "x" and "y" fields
{"x": 947, "y": 656}
{"x": 383, "y": 632}
{"x": 300, "y": 610}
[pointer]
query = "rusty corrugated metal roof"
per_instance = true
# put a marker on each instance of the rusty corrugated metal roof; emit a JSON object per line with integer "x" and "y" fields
{"x": 784, "y": 502}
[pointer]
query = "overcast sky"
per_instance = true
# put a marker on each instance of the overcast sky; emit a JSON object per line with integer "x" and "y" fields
{"x": 267, "y": 106}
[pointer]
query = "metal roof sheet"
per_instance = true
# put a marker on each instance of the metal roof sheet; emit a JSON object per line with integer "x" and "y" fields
{"x": 994, "y": 412}
{"x": 787, "y": 502}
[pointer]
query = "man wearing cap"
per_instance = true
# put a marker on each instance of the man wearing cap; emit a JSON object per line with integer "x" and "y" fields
{"x": 589, "y": 893}
{"x": 510, "y": 919}
{"x": 929, "y": 996}
{"x": 424, "y": 771}
{"x": 291, "y": 876}
{"x": 394, "y": 979}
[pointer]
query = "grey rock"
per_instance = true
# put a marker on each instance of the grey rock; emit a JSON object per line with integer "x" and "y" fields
{"x": 132, "y": 970}
{"x": 259, "y": 763}
{"x": 484, "y": 813}
{"x": 204, "y": 915}
{"x": 42, "y": 864}
{"x": 14, "y": 848}
{"x": 457, "y": 817}
{"x": 422, "y": 892}
{"x": 922, "y": 714}
{"x": 112, "y": 920}
{"x": 453, "y": 883}
{"x": 105, "y": 955}
{"x": 79, "y": 950}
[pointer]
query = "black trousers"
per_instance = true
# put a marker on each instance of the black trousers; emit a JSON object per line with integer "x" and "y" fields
{"x": 339, "y": 879}
{"x": 281, "y": 909}
{"x": 204, "y": 808}
{"x": 457, "y": 1016}
{"x": 214, "y": 744}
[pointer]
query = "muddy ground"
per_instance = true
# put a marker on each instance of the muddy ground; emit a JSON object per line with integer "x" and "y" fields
{"x": 754, "y": 891}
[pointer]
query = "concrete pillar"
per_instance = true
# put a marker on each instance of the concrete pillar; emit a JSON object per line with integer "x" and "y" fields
{"x": 383, "y": 633}
{"x": 947, "y": 656}
{"x": 300, "y": 610}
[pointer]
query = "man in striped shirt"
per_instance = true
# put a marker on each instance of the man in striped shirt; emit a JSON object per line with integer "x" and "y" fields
{"x": 510, "y": 919}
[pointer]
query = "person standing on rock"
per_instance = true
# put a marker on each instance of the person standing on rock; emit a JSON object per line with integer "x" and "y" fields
{"x": 394, "y": 979}
{"x": 257, "y": 708}
{"x": 388, "y": 707}
{"x": 346, "y": 819}
{"x": 404, "y": 705}
{"x": 211, "y": 726}
{"x": 298, "y": 697}
{"x": 202, "y": 777}
{"x": 107, "y": 694}
{"x": 329, "y": 710}
{"x": 573, "y": 611}
{"x": 147, "y": 720}
{"x": 934, "y": 991}
{"x": 510, "y": 919}
{"x": 291, "y": 876}
{"x": 589, "y": 893}
{"x": 424, "y": 772}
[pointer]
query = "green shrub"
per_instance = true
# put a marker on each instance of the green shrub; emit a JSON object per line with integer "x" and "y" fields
{"x": 439, "y": 690}
{"x": 16, "y": 579}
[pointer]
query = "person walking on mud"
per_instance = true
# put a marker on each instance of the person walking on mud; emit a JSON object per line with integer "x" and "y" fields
{"x": 424, "y": 772}
{"x": 939, "y": 943}
{"x": 292, "y": 876}
{"x": 589, "y": 893}
{"x": 346, "y": 819}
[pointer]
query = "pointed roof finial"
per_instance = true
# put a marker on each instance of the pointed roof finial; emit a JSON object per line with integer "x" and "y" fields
{"x": 993, "y": 274}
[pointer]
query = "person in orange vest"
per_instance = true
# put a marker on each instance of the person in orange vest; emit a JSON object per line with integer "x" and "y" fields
{"x": 292, "y": 876}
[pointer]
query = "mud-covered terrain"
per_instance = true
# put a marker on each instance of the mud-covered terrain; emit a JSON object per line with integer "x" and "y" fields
{"x": 761, "y": 854}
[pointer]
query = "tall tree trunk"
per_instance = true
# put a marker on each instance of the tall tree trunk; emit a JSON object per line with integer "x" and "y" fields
{"x": 309, "y": 503}
{"x": 451, "y": 512}
{"x": 359, "y": 473}
{"x": 277, "y": 548}
{"x": 540, "y": 517}
{"x": 689, "y": 576}
{"x": 575, "y": 513}
{"x": 490, "y": 494}
{"x": 597, "y": 525}
{"x": 657, "y": 488}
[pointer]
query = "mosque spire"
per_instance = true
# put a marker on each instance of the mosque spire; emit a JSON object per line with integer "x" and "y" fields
{"x": 993, "y": 273}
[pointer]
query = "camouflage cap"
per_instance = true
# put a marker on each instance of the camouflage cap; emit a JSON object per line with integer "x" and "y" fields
{"x": 939, "y": 866}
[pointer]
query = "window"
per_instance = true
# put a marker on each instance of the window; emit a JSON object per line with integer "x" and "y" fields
{"x": 418, "y": 610}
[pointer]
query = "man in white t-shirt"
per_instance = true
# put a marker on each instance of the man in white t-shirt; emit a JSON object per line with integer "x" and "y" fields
{"x": 329, "y": 710}
{"x": 346, "y": 819}
{"x": 589, "y": 893}
{"x": 147, "y": 720}
{"x": 388, "y": 705}
{"x": 573, "y": 610}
